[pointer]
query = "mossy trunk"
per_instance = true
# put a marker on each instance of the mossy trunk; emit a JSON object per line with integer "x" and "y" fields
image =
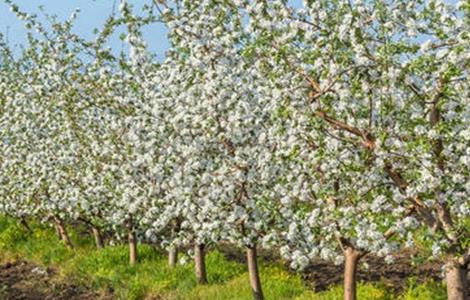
{"x": 132, "y": 239}
{"x": 62, "y": 232}
{"x": 98, "y": 237}
{"x": 57, "y": 231}
{"x": 352, "y": 257}
{"x": 172, "y": 256}
{"x": 255, "y": 282}
{"x": 456, "y": 279}
{"x": 25, "y": 225}
{"x": 200, "y": 263}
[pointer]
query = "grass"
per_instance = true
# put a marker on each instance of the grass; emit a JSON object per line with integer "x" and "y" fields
{"x": 108, "y": 270}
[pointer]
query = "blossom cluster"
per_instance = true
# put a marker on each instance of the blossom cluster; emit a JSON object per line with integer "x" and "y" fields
{"x": 340, "y": 124}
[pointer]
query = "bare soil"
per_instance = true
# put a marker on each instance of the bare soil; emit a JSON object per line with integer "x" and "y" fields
{"x": 21, "y": 280}
{"x": 320, "y": 275}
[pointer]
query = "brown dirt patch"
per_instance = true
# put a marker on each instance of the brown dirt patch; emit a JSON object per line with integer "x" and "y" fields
{"x": 320, "y": 275}
{"x": 21, "y": 280}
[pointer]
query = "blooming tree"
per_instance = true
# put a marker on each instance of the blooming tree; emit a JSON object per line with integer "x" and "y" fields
{"x": 375, "y": 78}
{"x": 334, "y": 129}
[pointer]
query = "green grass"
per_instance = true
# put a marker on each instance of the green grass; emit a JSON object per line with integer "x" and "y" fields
{"x": 429, "y": 290}
{"x": 108, "y": 270}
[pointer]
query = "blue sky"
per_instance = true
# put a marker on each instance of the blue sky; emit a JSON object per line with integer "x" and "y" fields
{"x": 93, "y": 14}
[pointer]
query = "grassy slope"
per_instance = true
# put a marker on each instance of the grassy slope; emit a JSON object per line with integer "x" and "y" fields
{"x": 108, "y": 269}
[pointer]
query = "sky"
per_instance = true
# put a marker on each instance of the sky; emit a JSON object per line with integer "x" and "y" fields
{"x": 93, "y": 15}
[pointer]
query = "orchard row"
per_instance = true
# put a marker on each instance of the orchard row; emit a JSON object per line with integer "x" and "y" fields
{"x": 333, "y": 130}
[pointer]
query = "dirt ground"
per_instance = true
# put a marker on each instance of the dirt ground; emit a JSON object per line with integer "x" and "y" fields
{"x": 21, "y": 280}
{"x": 321, "y": 275}
{"x": 395, "y": 276}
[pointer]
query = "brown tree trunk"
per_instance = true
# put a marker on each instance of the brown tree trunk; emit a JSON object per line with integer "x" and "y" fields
{"x": 200, "y": 264}
{"x": 172, "y": 256}
{"x": 352, "y": 257}
{"x": 25, "y": 225}
{"x": 456, "y": 278}
{"x": 255, "y": 282}
{"x": 98, "y": 237}
{"x": 62, "y": 232}
{"x": 456, "y": 274}
{"x": 57, "y": 231}
{"x": 132, "y": 239}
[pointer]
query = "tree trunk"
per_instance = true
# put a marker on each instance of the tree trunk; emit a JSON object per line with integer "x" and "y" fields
{"x": 456, "y": 274}
{"x": 200, "y": 264}
{"x": 456, "y": 278}
{"x": 172, "y": 256}
{"x": 352, "y": 257}
{"x": 98, "y": 237}
{"x": 132, "y": 238}
{"x": 62, "y": 232}
{"x": 25, "y": 225}
{"x": 255, "y": 282}
{"x": 57, "y": 231}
